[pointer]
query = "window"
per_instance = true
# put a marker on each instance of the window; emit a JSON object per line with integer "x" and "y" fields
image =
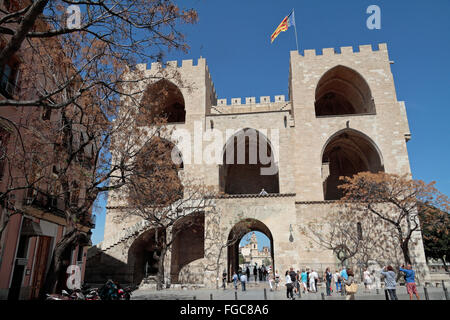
{"x": 47, "y": 113}
{"x": 4, "y": 137}
{"x": 8, "y": 79}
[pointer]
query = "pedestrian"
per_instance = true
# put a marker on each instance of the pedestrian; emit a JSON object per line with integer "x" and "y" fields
{"x": 367, "y": 279}
{"x": 260, "y": 274}
{"x": 247, "y": 271}
{"x": 243, "y": 281}
{"x": 255, "y": 273}
{"x": 224, "y": 279}
{"x": 277, "y": 280}
{"x": 312, "y": 280}
{"x": 307, "y": 278}
{"x": 351, "y": 287}
{"x": 289, "y": 286}
{"x": 235, "y": 280}
{"x": 304, "y": 278}
{"x": 293, "y": 276}
{"x": 389, "y": 282}
{"x": 410, "y": 281}
{"x": 337, "y": 281}
{"x": 328, "y": 277}
{"x": 344, "y": 274}
{"x": 271, "y": 280}
{"x": 264, "y": 272}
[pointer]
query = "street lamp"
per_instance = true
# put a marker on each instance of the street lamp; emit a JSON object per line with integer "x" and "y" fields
{"x": 291, "y": 238}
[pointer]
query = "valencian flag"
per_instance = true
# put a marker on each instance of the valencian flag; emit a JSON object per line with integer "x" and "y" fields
{"x": 287, "y": 22}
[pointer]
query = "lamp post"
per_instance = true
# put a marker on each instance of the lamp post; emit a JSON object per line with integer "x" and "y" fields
{"x": 291, "y": 238}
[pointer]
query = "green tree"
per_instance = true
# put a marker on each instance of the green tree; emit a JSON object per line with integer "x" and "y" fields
{"x": 435, "y": 231}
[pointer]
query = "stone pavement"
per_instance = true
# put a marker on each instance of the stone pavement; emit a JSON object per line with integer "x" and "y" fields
{"x": 257, "y": 293}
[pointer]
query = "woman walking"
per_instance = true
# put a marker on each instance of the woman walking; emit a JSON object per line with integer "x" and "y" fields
{"x": 289, "y": 286}
{"x": 389, "y": 282}
{"x": 328, "y": 276}
{"x": 350, "y": 285}
{"x": 277, "y": 280}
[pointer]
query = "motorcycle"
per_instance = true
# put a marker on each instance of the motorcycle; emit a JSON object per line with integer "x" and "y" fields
{"x": 114, "y": 291}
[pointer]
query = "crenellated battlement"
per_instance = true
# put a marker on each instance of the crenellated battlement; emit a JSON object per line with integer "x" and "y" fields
{"x": 158, "y": 66}
{"x": 263, "y": 100}
{"x": 326, "y": 52}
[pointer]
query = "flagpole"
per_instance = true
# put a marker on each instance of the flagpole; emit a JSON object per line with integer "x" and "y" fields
{"x": 295, "y": 29}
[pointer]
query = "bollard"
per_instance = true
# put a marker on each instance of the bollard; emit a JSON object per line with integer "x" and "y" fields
{"x": 378, "y": 291}
{"x": 210, "y": 296}
{"x": 323, "y": 296}
{"x": 235, "y": 295}
{"x": 386, "y": 294}
{"x": 265, "y": 294}
{"x": 343, "y": 290}
{"x": 195, "y": 298}
{"x": 445, "y": 290}
{"x": 425, "y": 289}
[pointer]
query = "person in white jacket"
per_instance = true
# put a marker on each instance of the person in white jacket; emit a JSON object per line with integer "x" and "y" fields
{"x": 312, "y": 280}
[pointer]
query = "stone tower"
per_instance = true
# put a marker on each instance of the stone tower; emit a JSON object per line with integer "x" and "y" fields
{"x": 342, "y": 117}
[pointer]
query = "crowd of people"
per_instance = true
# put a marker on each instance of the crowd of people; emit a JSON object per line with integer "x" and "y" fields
{"x": 340, "y": 282}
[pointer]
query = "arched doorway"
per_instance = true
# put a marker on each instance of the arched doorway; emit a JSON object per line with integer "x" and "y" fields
{"x": 248, "y": 164}
{"x": 342, "y": 90}
{"x": 164, "y": 99}
{"x": 347, "y": 153}
{"x": 188, "y": 244}
{"x": 143, "y": 255}
{"x": 235, "y": 236}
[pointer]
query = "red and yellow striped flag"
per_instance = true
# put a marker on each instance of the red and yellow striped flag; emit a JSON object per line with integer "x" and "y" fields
{"x": 283, "y": 26}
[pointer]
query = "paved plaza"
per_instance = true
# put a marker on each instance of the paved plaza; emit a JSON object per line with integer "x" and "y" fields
{"x": 256, "y": 292}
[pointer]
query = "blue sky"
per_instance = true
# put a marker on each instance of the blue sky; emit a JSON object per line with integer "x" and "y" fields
{"x": 234, "y": 37}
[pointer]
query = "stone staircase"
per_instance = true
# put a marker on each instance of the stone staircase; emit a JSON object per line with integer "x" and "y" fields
{"x": 118, "y": 238}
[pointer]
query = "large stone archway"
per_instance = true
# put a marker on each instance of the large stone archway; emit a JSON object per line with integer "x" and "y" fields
{"x": 342, "y": 90}
{"x": 347, "y": 153}
{"x": 237, "y": 233}
{"x": 248, "y": 164}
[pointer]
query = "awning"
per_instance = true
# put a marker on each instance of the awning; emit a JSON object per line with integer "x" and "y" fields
{"x": 31, "y": 228}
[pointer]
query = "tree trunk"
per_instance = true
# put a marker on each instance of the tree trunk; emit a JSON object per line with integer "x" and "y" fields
{"x": 445, "y": 265}
{"x": 67, "y": 241}
{"x": 405, "y": 250}
{"x": 160, "y": 276}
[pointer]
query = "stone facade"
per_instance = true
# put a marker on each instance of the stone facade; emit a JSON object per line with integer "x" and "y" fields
{"x": 252, "y": 255}
{"x": 312, "y": 142}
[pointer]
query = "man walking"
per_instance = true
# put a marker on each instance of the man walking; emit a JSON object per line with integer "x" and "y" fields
{"x": 410, "y": 281}
{"x": 243, "y": 281}
{"x": 247, "y": 271}
{"x": 255, "y": 273}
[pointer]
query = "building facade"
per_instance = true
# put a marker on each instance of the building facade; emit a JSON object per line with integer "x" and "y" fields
{"x": 252, "y": 255}
{"x": 342, "y": 117}
{"x": 37, "y": 220}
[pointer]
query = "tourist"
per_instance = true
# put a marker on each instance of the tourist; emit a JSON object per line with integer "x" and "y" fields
{"x": 271, "y": 280}
{"x": 260, "y": 274}
{"x": 277, "y": 280}
{"x": 327, "y": 278}
{"x": 243, "y": 281}
{"x": 264, "y": 273}
{"x": 389, "y": 282}
{"x": 337, "y": 281}
{"x": 297, "y": 283}
{"x": 410, "y": 281}
{"x": 307, "y": 277}
{"x": 349, "y": 281}
{"x": 367, "y": 279}
{"x": 255, "y": 273}
{"x": 293, "y": 276}
{"x": 224, "y": 278}
{"x": 289, "y": 286}
{"x": 344, "y": 274}
{"x": 247, "y": 271}
{"x": 312, "y": 280}
{"x": 235, "y": 280}
{"x": 304, "y": 278}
